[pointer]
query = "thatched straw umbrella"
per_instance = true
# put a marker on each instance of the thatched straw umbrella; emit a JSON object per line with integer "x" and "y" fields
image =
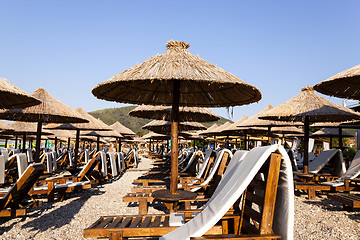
{"x": 164, "y": 127}
{"x": 344, "y": 85}
{"x": 98, "y": 134}
{"x": 124, "y": 131}
{"x": 62, "y": 135}
{"x": 50, "y": 110}
{"x": 177, "y": 78}
{"x": 92, "y": 124}
{"x": 331, "y": 133}
{"x": 26, "y": 128}
{"x": 5, "y": 130}
{"x": 186, "y": 114}
{"x": 13, "y": 97}
{"x": 309, "y": 107}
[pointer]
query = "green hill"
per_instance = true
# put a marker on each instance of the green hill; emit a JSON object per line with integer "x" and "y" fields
{"x": 111, "y": 115}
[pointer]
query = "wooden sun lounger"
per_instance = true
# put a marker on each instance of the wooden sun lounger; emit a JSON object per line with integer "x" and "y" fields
{"x": 13, "y": 203}
{"x": 248, "y": 223}
{"x": 349, "y": 200}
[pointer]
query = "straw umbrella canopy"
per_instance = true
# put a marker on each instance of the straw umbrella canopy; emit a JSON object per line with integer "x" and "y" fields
{"x": 309, "y": 107}
{"x": 97, "y": 134}
{"x": 330, "y": 132}
{"x": 164, "y": 127}
{"x": 344, "y": 85}
{"x": 186, "y": 114}
{"x": 50, "y": 110}
{"x": 177, "y": 78}
{"x": 207, "y": 131}
{"x": 92, "y": 124}
{"x": 13, "y": 97}
{"x": 124, "y": 131}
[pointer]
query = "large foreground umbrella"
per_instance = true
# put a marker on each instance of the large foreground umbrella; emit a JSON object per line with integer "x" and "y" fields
{"x": 344, "y": 85}
{"x": 177, "y": 78}
{"x": 50, "y": 110}
{"x": 13, "y": 97}
{"x": 309, "y": 107}
{"x": 186, "y": 114}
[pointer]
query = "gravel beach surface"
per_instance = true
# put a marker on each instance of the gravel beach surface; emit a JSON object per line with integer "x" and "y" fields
{"x": 316, "y": 219}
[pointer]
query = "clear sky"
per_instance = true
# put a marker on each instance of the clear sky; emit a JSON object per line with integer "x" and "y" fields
{"x": 67, "y": 47}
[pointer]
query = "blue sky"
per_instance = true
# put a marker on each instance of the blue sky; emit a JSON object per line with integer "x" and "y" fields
{"x": 67, "y": 47}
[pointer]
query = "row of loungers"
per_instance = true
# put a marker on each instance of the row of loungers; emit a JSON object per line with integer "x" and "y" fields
{"x": 254, "y": 199}
{"x": 35, "y": 180}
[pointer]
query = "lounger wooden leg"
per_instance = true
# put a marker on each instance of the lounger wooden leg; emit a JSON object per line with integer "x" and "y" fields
{"x": 51, "y": 191}
{"x": 311, "y": 193}
{"x": 143, "y": 206}
{"x": 116, "y": 235}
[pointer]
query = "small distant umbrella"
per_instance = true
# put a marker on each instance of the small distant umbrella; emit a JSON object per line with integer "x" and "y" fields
{"x": 99, "y": 134}
{"x": 207, "y": 131}
{"x": 12, "y": 97}
{"x": 309, "y": 107}
{"x": 344, "y": 85}
{"x": 124, "y": 131}
{"x": 160, "y": 126}
{"x": 177, "y": 78}
{"x": 330, "y": 132}
{"x": 93, "y": 124}
{"x": 186, "y": 114}
{"x": 50, "y": 110}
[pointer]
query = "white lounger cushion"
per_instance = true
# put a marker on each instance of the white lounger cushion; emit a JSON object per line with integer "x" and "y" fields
{"x": 113, "y": 163}
{"x": 324, "y": 157}
{"x": 234, "y": 185}
{"x": 22, "y": 163}
{"x": 351, "y": 173}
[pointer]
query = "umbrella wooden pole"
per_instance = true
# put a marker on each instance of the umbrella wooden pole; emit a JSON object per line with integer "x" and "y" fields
{"x": 24, "y": 142}
{"x": 76, "y": 150}
{"x": 38, "y": 141}
{"x": 245, "y": 141}
{"x": 6, "y": 143}
{"x": 68, "y": 147}
{"x": 55, "y": 144}
{"x": 174, "y": 138}
{"x": 269, "y": 136}
{"x": 306, "y": 144}
{"x": 119, "y": 144}
{"x": 16, "y": 142}
{"x": 340, "y": 139}
{"x": 331, "y": 146}
{"x": 98, "y": 143}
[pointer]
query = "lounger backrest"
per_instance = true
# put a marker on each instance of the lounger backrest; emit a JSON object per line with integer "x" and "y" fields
{"x": 54, "y": 157}
{"x": 208, "y": 154}
{"x": 49, "y": 162}
{"x": 192, "y": 158}
{"x": 334, "y": 155}
{"x": 29, "y": 155}
{"x": 354, "y": 168}
{"x": 121, "y": 161}
{"x": 85, "y": 172}
{"x": 292, "y": 159}
{"x": 87, "y": 155}
{"x": 6, "y": 154}
{"x": 70, "y": 158}
{"x": 114, "y": 170}
{"x": 233, "y": 187}
{"x": 2, "y": 169}
{"x": 22, "y": 163}
{"x": 103, "y": 163}
{"x": 23, "y": 185}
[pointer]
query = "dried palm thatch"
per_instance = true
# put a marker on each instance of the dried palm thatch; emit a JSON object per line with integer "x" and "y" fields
{"x": 344, "y": 85}
{"x": 50, "y": 110}
{"x": 330, "y": 132}
{"x": 63, "y": 134}
{"x": 191, "y": 135}
{"x": 255, "y": 121}
{"x": 5, "y": 127}
{"x": 346, "y": 124}
{"x": 156, "y": 136}
{"x": 122, "y": 129}
{"x": 218, "y": 131}
{"x": 287, "y": 130}
{"x": 207, "y": 131}
{"x": 164, "y": 127}
{"x": 92, "y": 123}
{"x": 27, "y": 128}
{"x": 309, "y": 104}
{"x": 200, "y": 83}
{"x": 186, "y": 114}
{"x": 13, "y": 97}
{"x": 111, "y": 133}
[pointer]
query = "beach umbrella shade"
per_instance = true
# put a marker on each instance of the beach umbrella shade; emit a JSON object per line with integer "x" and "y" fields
{"x": 99, "y": 134}
{"x": 186, "y": 114}
{"x": 164, "y": 127}
{"x": 309, "y": 107}
{"x": 92, "y": 124}
{"x": 207, "y": 131}
{"x": 13, "y": 97}
{"x": 343, "y": 85}
{"x": 330, "y": 132}
{"x": 124, "y": 131}
{"x": 50, "y": 110}
{"x": 177, "y": 78}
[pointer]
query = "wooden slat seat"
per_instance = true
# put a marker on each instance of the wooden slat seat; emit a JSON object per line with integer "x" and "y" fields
{"x": 349, "y": 200}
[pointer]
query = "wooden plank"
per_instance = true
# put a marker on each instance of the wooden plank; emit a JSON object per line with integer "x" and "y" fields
{"x": 104, "y": 223}
{"x": 136, "y": 221}
{"x": 156, "y": 222}
{"x": 115, "y": 222}
{"x": 166, "y": 221}
{"x": 126, "y": 222}
{"x": 146, "y": 222}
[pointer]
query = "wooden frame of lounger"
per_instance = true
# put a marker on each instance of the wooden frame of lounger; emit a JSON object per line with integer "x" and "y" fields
{"x": 247, "y": 223}
{"x": 11, "y": 204}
